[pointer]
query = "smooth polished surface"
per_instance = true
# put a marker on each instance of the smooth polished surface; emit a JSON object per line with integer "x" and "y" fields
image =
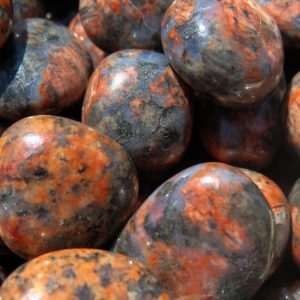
{"x": 229, "y": 49}
{"x": 135, "y": 97}
{"x": 287, "y": 16}
{"x": 62, "y": 185}
{"x": 123, "y": 24}
{"x": 207, "y": 233}
{"x": 6, "y": 19}
{"x": 280, "y": 208}
{"x": 248, "y": 138}
{"x": 43, "y": 69}
{"x": 82, "y": 274}
{"x": 96, "y": 53}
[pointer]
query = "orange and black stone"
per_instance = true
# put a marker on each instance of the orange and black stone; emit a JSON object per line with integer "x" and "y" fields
{"x": 281, "y": 210}
{"x": 206, "y": 233}
{"x": 123, "y": 24}
{"x": 287, "y": 16}
{"x": 96, "y": 53}
{"x": 43, "y": 69}
{"x": 229, "y": 49}
{"x": 82, "y": 274}
{"x": 62, "y": 185}
{"x": 135, "y": 98}
{"x": 249, "y": 137}
{"x": 24, "y": 9}
{"x": 6, "y": 20}
{"x": 294, "y": 200}
{"x": 292, "y": 113}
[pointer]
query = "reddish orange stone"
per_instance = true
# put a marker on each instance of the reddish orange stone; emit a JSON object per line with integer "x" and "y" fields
{"x": 6, "y": 19}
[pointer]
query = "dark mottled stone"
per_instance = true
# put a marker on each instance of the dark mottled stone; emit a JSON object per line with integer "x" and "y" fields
{"x": 135, "y": 98}
{"x": 229, "y": 49}
{"x": 24, "y": 9}
{"x": 207, "y": 233}
{"x": 123, "y": 24}
{"x": 287, "y": 16}
{"x": 6, "y": 19}
{"x": 43, "y": 69}
{"x": 126, "y": 279}
{"x": 292, "y": 114}
{"x": 248, "y": 138}
{"x": 46, "y": 201}
{"x": 96, "y": 53}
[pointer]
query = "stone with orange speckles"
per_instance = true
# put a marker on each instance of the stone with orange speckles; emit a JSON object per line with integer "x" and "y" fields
{"x": 62, "y": 185}
{"x": 24, "y": 9}
{"x": 292, "y": 113}
{"x": 229, "y": 49}
{"x": 135, "y": 97}
{"x": 207, "y": 233}
{"x": 294, "y": 200}
{"x": 43, "y": 69}
{"x": 96, "y": 53}
{"x": 280, "y": 208}
{"x": 6, "y": 19}
{"x": 82, "y": 274}
{"x": 123, "y": 24}
{"x": 287, "y": 15}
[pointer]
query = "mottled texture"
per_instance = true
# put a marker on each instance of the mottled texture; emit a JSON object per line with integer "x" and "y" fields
{"x": 292, "y": 113}
{"x": 287, "y": 16}
{"x": 62, "y": 185}
{"x": 24, "y": 9}
{"x": 207, "y": 233}
{"x": 43, "y": 69}
{"x": 294, "y": 200}
{"x": 280, "y": 208}
{"x": 82, "y": 274}
{"x": 248, "y": 138}
{"x": 96, "y": 53}
{"x": 6, "y": 19}
{"x": 123, "y": 24}
{"x": 135, "y": 98}
{"x": 230, "y": 49}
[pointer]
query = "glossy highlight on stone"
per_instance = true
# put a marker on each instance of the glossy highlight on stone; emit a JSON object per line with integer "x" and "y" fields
{"x": 206, "y": 233}
{"x": 43, "y": 69}
{"x": 24, "y": 9}
{"x": 294, "y": 200}
{"x": 243, "y": 137}
{"x": 82, "y": 274}
{"x": 292, "y": 115}
{"x": 229, "y": 49}
{"x": 62, "y": 185}
{"x": 6, "y": 19}
{"x": 123, "y": 24}
{"x": 96, "y": 53}
{"x": 135, "y": 98}
{"x": 287, "y": 16}
{"x": 280, "y": 208}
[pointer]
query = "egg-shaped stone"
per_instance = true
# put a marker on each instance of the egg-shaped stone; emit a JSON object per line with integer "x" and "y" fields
{"x": 123, "y": 24}
{"x": 96, "y": 53}
{"x": 43, "y": 69}
{"x": 207, "y": 233}
{"x": 231, "y": 50}
{"x": 135, "y": 98}
{"x": 82, "y": 274}
{"x": 62, "y": 185}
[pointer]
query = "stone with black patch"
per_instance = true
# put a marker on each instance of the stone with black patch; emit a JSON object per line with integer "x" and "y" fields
{"x": 47, "y": 203}
{"x": 125, "y": 278}
{"x": 6, "y": 19}
{"x": 206, "y": 233}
